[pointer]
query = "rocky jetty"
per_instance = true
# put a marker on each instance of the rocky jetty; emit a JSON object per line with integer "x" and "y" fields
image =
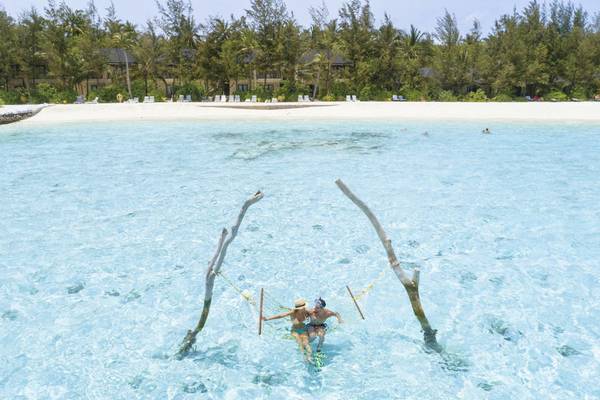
{"x": 10, "y": 114}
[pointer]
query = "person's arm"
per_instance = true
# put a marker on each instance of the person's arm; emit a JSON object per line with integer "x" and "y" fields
{"x": 334, "y": 314}
{"x": 278, "y": 316}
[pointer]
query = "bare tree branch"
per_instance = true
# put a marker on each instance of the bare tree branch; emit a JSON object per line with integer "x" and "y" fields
{"x": 410, "y": 285}
{"x": 211, "y": 272}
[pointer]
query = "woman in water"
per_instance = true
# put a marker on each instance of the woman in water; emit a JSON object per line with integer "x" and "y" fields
{"x": 299, "y": 329}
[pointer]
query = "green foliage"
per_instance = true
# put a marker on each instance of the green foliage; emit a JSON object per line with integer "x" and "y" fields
{"x": 477, "y": 96}
{"x": 502, "y": 97}
{"x": 551, "y": 51}
{"x": 447, "y": 95}
{"x": 341, "y": 89}
{"x": 12, "y": 97}
{"x": 159, "y": 94}
{"x": 328, "y": 98}
{"x": 579, "y": 93}
{"x": 108, "y": 94}
{"x": 190, "y": 88}
{"x": 373, "y": 93}
{"x": 557, "y": 95}
{"x": 2, "y": 102}
{"x": 414, "y": 94}
{"x": 289, "y": 90}
{"x": 46, "y": 93}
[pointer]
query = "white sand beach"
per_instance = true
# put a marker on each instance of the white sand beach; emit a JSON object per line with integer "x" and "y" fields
{"x": 546, "y": 111}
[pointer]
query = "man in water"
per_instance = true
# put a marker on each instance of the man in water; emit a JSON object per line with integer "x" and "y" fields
{"x": 317, "y": 326}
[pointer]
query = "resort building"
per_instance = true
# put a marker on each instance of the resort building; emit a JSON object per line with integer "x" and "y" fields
{"x": 331, "y": 65}
{"x": 271, "y": 81}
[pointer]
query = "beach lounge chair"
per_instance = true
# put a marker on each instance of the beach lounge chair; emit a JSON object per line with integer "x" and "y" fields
{"x": 394, "y": 97}
{"x": 151, "y": 99}
{"x": 253, "y": 99}
{"x": 354, "y": 97}
{"x": 300, "y": 98}
{"x": 348, "y": 98}
{"x": 274, "y": 100}
{"x": 231, "y": 98}
{"x": 79, "y": 100}
{"x": 136, "y": 100}
{"x": 188, "y": 98}
{"x": 95, "y": 101}
{"x": 528, "y": 98}
{"x": 236, "y": 98}
{"x": 146, "y": 99}
{"x": 401, "y": 98}
{"x": 180, "y": 98}
{"x": 306, "y": 98}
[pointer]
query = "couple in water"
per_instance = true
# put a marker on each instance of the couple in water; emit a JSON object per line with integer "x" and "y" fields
{"x": 303, "y": 332}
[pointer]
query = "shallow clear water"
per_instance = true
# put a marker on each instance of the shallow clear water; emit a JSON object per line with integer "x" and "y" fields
{"x": 105, "y": 232}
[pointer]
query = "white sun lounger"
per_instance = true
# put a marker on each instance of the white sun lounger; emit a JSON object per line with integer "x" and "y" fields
{"x": 348, "y": 98}
{"x": 253, "y": 99}
{"x": 354, "y": 97}
{"x": 236, "y": 98}
{"x": 300, "y": 98}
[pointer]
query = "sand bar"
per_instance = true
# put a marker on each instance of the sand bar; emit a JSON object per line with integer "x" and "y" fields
{"x": 386, "y": 111}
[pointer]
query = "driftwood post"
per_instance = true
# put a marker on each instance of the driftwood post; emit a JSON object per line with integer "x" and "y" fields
{"x": 410, "y": 285}
{"x": 260, "y": 311}
{"x": 355, "y": 302}
{"x": 211, "y": 272}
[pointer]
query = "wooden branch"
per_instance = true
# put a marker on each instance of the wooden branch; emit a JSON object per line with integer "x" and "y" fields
{"x": 260, "y": 311}
{"x": 410, "y": 285}
{"x": 355, "y": 302}
{"x": 211, "y": 272}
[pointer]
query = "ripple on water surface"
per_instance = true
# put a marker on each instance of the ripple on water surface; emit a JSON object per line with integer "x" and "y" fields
{"x": 107, "y": 229}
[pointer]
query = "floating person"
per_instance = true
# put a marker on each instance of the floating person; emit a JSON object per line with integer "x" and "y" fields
{"x": 317, "y": 326}
{"x": 425, "y": 133}
{"x": 486, "y": 131}
{"x": 299, "y": 331}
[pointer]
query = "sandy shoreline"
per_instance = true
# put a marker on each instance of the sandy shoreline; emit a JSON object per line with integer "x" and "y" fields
{"x": 384, "y": 111}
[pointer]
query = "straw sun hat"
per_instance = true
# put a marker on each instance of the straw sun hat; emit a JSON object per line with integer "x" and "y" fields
{"x": 299, "y": 304}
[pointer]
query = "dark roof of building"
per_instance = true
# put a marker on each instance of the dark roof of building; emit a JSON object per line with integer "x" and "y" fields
{"x": 117, "y": 56}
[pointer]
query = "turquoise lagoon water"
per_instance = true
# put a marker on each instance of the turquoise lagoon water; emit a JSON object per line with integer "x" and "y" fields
{"x": 106, "y": 231}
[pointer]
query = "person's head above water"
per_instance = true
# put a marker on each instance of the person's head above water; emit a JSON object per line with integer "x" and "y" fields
{"x": 320, "y": 303}
{"x": 299, "y": 304}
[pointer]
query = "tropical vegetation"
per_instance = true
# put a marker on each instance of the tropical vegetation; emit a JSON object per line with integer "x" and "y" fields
{"x": 549, "y": 51}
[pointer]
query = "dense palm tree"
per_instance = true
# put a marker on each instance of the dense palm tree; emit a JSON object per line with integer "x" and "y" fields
{"x": 551, "y": 50}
